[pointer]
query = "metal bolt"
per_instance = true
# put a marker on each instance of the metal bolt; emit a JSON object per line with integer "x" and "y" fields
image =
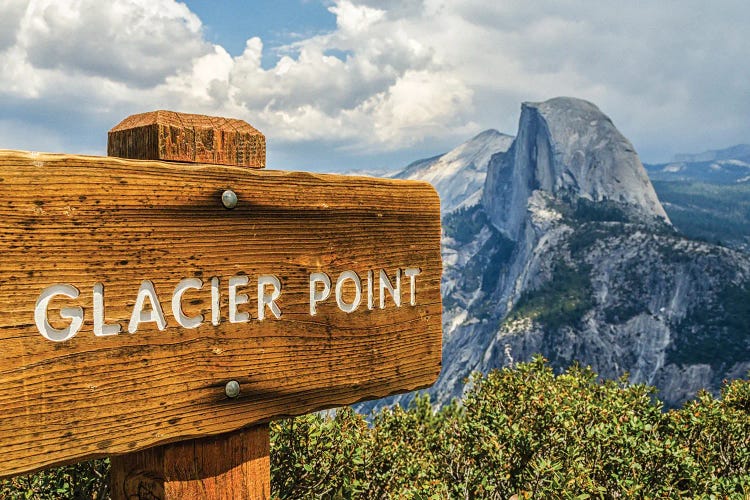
{"x": 232, "y": 389}
{"x": 229, "y": 199}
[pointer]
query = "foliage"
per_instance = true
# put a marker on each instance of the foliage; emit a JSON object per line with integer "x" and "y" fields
{"x": 464, "y": 223}
{"x": 586, "y": 235}
{"x": 599, "y": 211}
{"x": 83, "y": 480}
{"x": 716, "y": 336}
{"x": 561, "y": 301}
{"x": 523, "y": 431}
{"x": 529, "y": 432}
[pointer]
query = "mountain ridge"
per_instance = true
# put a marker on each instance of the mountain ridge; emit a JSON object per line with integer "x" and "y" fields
{"x": 566, "y": 146}
{"x": 736, "y": 152}
{"x": 459, "y": 174}
{"x": 558, "y": 260}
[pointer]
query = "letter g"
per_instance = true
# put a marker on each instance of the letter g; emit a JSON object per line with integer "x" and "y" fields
{"x": 75, "y": 314}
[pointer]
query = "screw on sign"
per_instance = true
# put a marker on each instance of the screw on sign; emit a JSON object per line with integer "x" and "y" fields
{"x": 161, "y": 305}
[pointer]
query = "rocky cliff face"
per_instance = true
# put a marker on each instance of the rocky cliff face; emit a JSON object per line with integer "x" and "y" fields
{"x": 459, "y": 175}
{"x": 570, "y": 254}
{"x": 568, "y": 148}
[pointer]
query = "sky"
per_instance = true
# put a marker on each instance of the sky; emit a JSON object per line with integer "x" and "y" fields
{"x": 339, "y": 85}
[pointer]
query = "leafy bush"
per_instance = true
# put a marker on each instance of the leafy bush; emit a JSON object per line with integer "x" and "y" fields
{"x": 83, "y": 480}
{"x": 519, "y": 431}
{"x": 529, "y": 432}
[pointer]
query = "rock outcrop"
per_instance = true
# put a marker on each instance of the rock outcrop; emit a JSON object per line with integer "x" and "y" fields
{"x": 568, "y": 148}
{"x": 459, "y": 175}
{"x": 570, "y": 254}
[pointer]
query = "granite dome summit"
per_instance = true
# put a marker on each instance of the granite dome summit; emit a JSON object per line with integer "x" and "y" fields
{"x": 566, "y": 147}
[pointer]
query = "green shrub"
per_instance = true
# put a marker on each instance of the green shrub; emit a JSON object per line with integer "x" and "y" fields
{"x": 518, "y": 431}
{"x": 83, "y": 480}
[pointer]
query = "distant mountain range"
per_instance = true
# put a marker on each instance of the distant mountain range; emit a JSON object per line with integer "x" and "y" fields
{"x": 739, "y": 152}
{"x": 707, "y": 195}
{"x": 725, "y": 166}
{"x": 556, "y": 242}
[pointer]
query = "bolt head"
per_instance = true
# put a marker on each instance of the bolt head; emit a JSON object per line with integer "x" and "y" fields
{"x": 229, "y": 199}
{"x": 232, "y": 389}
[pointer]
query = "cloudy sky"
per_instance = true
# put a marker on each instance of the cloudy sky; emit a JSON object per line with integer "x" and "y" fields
{"x": 346, "y": 84}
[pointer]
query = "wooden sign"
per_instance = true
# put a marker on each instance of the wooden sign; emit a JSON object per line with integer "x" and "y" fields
{"x": 131, "y": 297}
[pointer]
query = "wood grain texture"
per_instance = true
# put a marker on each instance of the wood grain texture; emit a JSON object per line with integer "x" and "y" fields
{"x": 172, "y": 136}
{"x": 231, "y": 466}
{"x": 87, "y": 220}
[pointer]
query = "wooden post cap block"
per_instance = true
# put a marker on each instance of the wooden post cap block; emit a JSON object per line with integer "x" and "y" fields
{"x": 171, "y": 136}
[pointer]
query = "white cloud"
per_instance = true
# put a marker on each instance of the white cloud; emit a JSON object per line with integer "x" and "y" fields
{"x": 10, "y": 21}
{"x": 353, "y": 19}
{"x": 418, "y": 105}
{"x": 138, "y": 42}
{"x": 393, "y": 74}
{"x": 204, "y": 84}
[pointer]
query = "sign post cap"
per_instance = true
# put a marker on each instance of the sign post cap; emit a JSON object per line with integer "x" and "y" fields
{"x": 172, "y": 136}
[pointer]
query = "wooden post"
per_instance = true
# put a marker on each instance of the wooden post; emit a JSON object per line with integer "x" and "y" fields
{"x": 229, "y": 466}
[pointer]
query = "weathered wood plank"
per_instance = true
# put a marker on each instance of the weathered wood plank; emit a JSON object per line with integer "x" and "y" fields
{"x": 88, "y": 220}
